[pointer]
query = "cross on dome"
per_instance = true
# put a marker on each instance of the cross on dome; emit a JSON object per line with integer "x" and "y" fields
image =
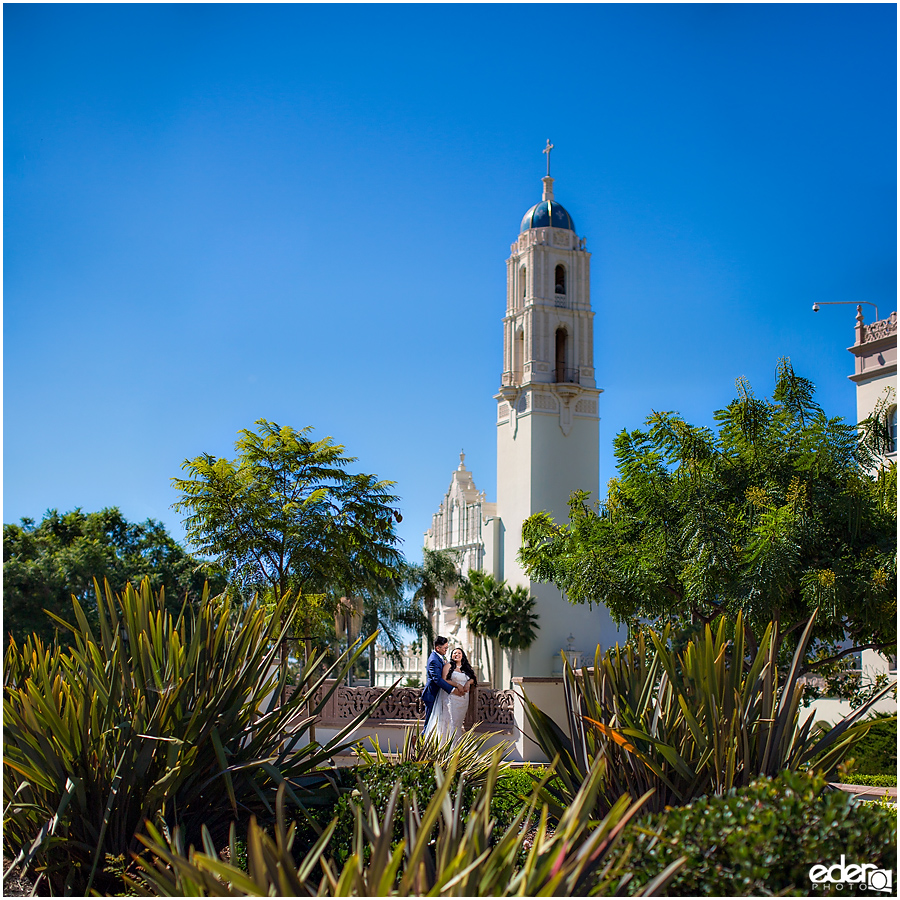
{"x": 547, "y": 150}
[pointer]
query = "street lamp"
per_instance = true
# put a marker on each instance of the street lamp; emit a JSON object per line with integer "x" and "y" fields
{"x": 850, "y": 302}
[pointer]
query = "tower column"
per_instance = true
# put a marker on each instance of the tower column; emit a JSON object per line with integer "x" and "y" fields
{"x": 548, "y": 447}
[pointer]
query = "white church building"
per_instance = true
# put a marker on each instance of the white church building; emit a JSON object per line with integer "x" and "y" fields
{"x": 547, "y": 444}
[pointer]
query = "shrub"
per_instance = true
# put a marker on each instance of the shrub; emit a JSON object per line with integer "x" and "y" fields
{"x": 871, "y": 780}
{"x": 172, "y": 719}
{"x": 513, "y": 791}
{"x": 468, "y": 750}
{"x": 762, "y": 839}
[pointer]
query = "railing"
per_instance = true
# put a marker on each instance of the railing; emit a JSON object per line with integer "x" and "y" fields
{"x": 405, "y": 705}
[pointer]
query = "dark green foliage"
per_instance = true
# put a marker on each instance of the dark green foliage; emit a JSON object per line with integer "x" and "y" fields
{"x": 152, "y": 716}
{"x": 45, "y": 564}
{"x": 411, "y": 766}
{"x": 876, "y": 753}
{"x": 496, "y": 610}
{"x": 762, "y": 839}
{"x": 775, "y": 513}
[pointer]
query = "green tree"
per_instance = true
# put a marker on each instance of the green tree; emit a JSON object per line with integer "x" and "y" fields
{"x": 45, "y": 565}
{"x": 287, "y": 515}
{"x": 499, "y": 612}
{"x": 778, "y": 512}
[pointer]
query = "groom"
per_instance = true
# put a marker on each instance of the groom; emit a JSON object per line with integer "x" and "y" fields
{"x": 433, "y": 680}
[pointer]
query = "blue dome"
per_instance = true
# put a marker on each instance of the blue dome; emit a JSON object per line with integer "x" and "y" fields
{"x": 547, "y": 213}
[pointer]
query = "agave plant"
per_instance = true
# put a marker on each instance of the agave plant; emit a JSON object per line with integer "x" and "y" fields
{"x": 688, "y": 724}
{"x": 572, "y": 859}
{"x": 170, "y": 718}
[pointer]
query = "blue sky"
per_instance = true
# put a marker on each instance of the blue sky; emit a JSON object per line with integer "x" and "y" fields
{"x": 214, "y": 214}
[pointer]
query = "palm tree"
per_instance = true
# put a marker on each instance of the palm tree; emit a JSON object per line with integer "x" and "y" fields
{"x": 433, "y": 577}
{"x": 518, "y": 628}
{"x": 499, "y": 612}
{"x": 387, "y": 610}
{"x": 479, "y": 595}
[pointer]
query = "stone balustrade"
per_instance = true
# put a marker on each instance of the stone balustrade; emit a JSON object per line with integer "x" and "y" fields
{"x": 495, "y": 709}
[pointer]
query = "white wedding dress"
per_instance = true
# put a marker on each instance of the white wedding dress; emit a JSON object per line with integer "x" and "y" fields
{"x": 449, "y": 711}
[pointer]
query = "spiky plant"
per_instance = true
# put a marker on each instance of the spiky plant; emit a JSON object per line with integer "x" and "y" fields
{"x": 690, "y": 723}
{"x": 464, "y": 861}
{"x": 175, "y": 719}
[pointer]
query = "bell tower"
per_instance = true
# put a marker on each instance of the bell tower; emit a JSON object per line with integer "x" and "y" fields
{"x": 547, "y": 415}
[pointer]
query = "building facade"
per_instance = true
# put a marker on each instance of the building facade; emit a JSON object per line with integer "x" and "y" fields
{"x": 875, "y": 369}
{"x": 466, "y": 525}
{"x": 875, "y": 376}
{"x": 547, "y": 442}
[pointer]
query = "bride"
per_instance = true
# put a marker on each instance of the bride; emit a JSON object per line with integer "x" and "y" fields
{"x": 449, "y": 711}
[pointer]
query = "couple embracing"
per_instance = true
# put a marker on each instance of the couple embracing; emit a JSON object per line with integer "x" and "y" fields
{"x": 447, "y": 691}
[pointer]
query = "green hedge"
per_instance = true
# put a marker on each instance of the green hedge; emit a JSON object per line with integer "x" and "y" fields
{"x": 512, "y": 792}
{"x": 872, "y": 780}
{"x": 762, "y": 839}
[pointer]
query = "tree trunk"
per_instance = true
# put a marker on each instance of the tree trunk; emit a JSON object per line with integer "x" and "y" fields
{"x": 312, "y": 725}
{"x": 283, "y": 661}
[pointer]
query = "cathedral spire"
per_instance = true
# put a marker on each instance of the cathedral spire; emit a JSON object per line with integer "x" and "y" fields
{"x": 548, "y": 181}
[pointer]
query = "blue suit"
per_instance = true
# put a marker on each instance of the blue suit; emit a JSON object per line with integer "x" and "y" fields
{"x": 433, "y": 682}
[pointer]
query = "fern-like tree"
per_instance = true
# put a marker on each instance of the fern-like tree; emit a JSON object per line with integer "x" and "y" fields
{"x": 498, "y": 612}
{"x": 288, "y": 515}
{"x": 778, "y": 511}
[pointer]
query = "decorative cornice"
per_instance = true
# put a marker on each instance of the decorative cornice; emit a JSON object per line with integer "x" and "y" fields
{"x": 874, "y": 345}
{"x": 872, "y": 374}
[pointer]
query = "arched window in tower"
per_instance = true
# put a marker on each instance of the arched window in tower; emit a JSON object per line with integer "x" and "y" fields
{"x": 523, "y": 281}
{"x": 892, "y": 430}
{"x": 560, "y": 279}
{"x": 561, "y": 337}
{"x": 519, "y": 356}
